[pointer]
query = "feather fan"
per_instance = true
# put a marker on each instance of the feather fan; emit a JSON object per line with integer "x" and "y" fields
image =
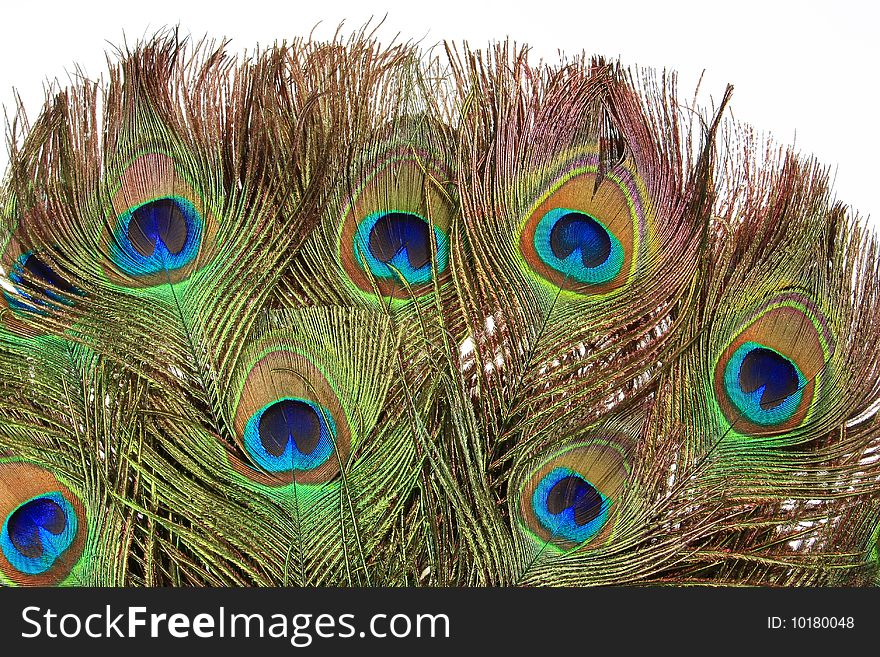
{"x": 345, "y": 314}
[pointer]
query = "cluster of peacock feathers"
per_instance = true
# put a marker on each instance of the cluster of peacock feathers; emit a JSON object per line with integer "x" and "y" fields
{"x": 345, "y": 314}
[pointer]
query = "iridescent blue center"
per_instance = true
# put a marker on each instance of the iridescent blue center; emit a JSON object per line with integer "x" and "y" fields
{"x": 27, "y": 274}
{"x": 37, "y": 533}
{"x": 570, "y": 507}
{"x": 579, "y": 246}
{"x": 394, "y": 245}
{"x": 162, "y": 234}
{"x": 290, "y": 434}
{"x": 763, "y": 384}
{"x": 580, "y": 232}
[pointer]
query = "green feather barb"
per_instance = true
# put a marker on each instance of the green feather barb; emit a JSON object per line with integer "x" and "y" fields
{"x": 345, "y": 314}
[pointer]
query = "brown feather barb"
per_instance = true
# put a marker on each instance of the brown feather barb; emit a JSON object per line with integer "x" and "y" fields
{"x": 344, "y": 314}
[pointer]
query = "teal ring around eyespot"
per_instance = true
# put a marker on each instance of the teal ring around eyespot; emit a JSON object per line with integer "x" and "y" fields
{"x": 400, "y": 261}
{"x": 749, "y": 404}
{"x": 54, "y": 546}
{"x": 572, "y": 266}
{"x": 563, "y": 525}
{"x": 129, "y": 260}
{"x": 292, "y": 458}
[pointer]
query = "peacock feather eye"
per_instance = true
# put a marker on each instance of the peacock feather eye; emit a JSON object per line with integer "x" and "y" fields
{"x": 290, "y": 434}
{"x": 38, "y": 533}
{"x": 394, "y": 237}
{"x": 766, "y": 378}
{"x": 569, "y": 499}
{"x": 290, "y": 421}
{"x": 30, "y": 274}
{"x": 43, "y": 531}
{"x": 578, "y": 246}
{"x": 160, "y": 225}
{"x": 396, "y": 247}
{"x": 764, "y": 385}
{"x": 568, "y": 506}
{"x": 584, "y": 234}
{"x": 160, "y": 235}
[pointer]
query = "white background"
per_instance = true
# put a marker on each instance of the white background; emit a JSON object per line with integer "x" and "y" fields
{"x": 804, "y": 71}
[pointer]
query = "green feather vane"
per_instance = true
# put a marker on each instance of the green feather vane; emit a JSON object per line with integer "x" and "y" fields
{"x": 342, "y": 314}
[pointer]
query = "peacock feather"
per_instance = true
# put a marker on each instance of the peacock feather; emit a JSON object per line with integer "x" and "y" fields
{"x": 344, "y": 314}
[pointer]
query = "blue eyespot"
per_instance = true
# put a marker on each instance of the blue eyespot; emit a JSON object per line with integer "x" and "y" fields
{"x": 569, "y": 506}
{"x": 578, "y": 246}
{"x": 38, "y": 532}
{"x": 764, "y": 385}
{"x": 395, "y": 244}
{"x": 290, "y": 434}
{"x": 26, "y": 273}
{"x": 160, "y": 235}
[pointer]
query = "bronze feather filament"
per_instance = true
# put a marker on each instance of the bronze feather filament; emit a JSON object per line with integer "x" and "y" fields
{"x": 333, "y": 313}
